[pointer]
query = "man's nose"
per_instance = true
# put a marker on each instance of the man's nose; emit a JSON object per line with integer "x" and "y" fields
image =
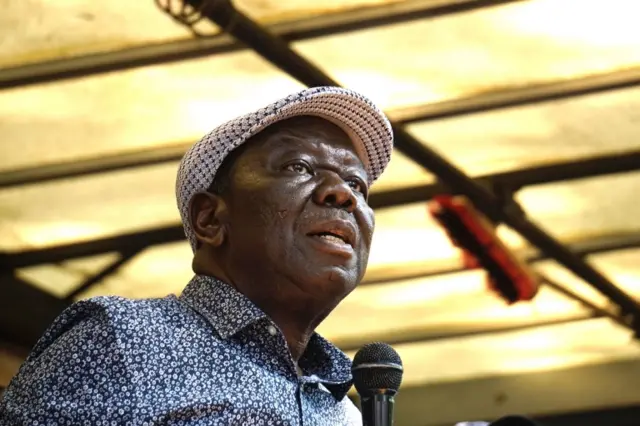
{"x": 333, "y": 191}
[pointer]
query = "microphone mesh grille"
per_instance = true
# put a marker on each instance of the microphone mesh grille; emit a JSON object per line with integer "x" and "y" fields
{"x": 382, "y": 374}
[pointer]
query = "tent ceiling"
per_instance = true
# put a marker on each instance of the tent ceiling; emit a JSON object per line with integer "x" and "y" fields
{"x": 405, "y": 67}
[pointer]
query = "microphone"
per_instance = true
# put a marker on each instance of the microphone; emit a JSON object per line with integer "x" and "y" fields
{"x": 514, "y": 421}
{"x": 504, "y": 421}
{"x": 377, "y": 374}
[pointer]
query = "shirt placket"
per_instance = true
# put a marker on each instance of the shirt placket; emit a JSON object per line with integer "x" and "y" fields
{"x": 283, "y": 360}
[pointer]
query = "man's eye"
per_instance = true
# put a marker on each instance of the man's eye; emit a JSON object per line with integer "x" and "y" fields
{"x": 300, "y": 168}
{"x": 356, "y": 185}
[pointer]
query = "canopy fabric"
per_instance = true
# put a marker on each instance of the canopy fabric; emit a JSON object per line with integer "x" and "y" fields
{"x": 448, "y": 326}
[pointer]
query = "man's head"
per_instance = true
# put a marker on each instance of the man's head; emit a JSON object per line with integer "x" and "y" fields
{"x": 286, "y": 216}
{"x": 291, "y": 203}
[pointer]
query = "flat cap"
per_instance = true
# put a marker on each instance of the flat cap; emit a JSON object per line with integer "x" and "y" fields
{"x": 366, "y": 125}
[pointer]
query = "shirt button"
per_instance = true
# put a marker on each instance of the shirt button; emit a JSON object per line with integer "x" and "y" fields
{"x": 272, "y": 330}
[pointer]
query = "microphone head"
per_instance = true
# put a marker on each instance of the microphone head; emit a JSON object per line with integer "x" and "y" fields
{"x": 514, "y": 421}
{"x": 377, "y": 368}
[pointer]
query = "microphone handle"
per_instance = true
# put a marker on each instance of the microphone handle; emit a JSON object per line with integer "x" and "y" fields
{"x": 377, "y": 409}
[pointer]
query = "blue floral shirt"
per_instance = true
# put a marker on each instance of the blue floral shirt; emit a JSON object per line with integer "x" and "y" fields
{"x": 208, "y": 357}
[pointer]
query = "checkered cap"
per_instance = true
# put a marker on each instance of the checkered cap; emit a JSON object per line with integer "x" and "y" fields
{"x": 367, "y": 126}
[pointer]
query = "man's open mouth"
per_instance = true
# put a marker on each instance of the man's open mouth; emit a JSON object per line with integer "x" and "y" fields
{"x": 339, "y": 232}
{"x": 328, "y": 236}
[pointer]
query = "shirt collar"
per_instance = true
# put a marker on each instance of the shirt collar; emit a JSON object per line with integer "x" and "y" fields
{"x": 329, "y": 364}
{"x": 229, "y": 311}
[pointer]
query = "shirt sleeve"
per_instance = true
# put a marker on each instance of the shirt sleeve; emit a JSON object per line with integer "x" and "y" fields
{"x": 76, "y": 374}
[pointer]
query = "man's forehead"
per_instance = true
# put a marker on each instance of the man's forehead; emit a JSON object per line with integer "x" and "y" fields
{"x": 303, "y": 126}
{"x": 309, "y": 132}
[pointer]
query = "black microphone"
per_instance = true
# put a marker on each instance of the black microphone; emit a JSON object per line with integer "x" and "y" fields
{"x": 377, "y": 374}
{"x": 504, "y": 421}
{"x": 514, "y": 421}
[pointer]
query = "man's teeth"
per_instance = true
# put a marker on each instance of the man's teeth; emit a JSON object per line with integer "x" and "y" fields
{"x": 332, "y": 238}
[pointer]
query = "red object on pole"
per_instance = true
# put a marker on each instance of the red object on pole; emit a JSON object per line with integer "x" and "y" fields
{"x": 508, "y": 276}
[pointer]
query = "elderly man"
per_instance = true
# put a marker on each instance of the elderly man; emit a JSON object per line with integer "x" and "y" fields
{"x": 274, "y": 205}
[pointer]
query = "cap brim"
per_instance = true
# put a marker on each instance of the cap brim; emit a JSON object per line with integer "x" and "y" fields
{"x": 366, "y": 125}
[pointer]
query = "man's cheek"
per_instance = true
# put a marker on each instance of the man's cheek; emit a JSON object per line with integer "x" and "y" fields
{"x": 367, "y": 226}
{"x": 272, "y": 215}
{"x": 258, "y": 210}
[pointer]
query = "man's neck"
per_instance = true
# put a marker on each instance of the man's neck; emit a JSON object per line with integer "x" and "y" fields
{"x": 297, "y": 320}
{"x": 296, "y": 333}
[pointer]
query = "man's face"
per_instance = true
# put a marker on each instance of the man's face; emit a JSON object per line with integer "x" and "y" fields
{"x": 298, "y": 209}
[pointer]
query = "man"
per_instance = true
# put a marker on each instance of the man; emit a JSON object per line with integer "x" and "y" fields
{"x": 274, "y": 205}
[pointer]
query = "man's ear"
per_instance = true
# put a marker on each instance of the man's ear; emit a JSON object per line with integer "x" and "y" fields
{"x": 208, "y": 215}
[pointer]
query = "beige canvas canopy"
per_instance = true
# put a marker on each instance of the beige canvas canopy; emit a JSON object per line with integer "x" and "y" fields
{"x": 537, "y": 99}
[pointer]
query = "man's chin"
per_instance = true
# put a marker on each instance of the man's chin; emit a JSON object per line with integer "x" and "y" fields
{"x": 336, "y": 279}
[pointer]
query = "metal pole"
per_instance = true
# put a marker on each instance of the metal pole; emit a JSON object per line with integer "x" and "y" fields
{"x": 277, "y": 51}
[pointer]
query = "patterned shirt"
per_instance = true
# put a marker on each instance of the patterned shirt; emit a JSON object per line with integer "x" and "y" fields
{"x": 208, "y": 357}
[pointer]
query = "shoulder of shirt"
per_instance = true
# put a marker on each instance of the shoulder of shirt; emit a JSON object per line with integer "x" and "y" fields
{"x": 116, "y": 309}
{"x": 114, "y": 314}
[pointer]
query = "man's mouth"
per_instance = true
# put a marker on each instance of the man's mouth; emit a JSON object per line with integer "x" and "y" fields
{"x": 331, "y": 237}
{"x": 336, "y": 236}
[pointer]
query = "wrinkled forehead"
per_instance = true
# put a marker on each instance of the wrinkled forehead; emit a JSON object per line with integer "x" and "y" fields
{"x": 308, "y": 132}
